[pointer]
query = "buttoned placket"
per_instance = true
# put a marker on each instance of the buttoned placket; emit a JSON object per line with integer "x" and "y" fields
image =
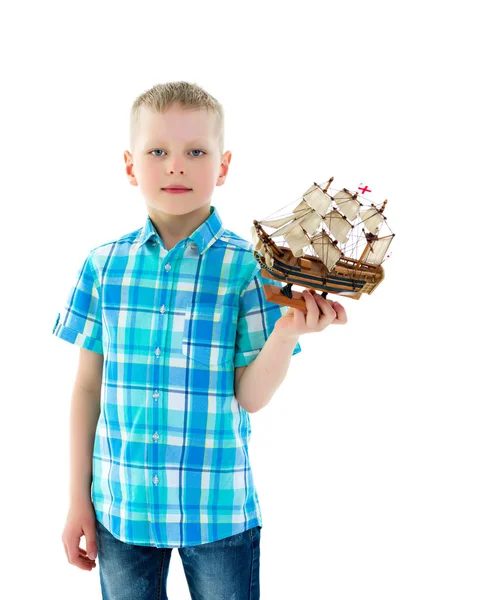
{"x": 156, "y": 394}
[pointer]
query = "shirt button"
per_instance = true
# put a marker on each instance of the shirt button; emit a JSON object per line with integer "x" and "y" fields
{"x": 156, "y": 479}
{"x": 157, "y": 352}
{"x": 167, "y": 267}
{"x": 156, "y": 395}
{"x": 156, "y": 437}
{"x": 154, "y": 244}
{"x": 163, "y": 309}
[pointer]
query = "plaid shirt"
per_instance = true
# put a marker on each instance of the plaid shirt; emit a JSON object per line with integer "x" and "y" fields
{"x": 170, "y": 459}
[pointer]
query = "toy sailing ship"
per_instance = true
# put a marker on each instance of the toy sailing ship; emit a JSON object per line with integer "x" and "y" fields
{"x": 328, "y": 242}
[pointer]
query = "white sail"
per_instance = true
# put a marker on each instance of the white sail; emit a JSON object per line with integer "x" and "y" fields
{"x": 327, "y": 252}
{"x": 257, "y": 243}
{"x": 262, "y": 248}
{"x": 338, "y": 226}
{"x": 297, "y": 240}
{"x": 347, "y": 204}
{"x": 317, "y": 199}
{"x": 268, "y": 259}
{"x": 301, "y": 206}
{"x": 377, "y": 250}
{"x": 283, "y": 231}
{"x": 286, "y": 219}
{"x": 311, "y": 222}
{"x": 373, "y": 219}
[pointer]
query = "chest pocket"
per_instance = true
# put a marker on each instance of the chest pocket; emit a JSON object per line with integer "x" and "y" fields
{"x": 209, "y": 333}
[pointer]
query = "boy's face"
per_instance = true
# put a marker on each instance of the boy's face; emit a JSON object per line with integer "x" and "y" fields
{"x": 177, "y": 147}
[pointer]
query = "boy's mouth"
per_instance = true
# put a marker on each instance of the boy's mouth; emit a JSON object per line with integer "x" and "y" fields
{"x": 176, "y": 187}
{"x": 173, "y": 190}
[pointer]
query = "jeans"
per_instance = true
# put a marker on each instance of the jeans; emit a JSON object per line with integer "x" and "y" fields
{"x": 227, "y": 569}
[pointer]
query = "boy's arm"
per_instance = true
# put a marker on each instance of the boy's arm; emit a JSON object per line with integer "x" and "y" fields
{"x": 238, "y": 373}
{"x": 256, "y": 383}
{"x": 85, "y": 410}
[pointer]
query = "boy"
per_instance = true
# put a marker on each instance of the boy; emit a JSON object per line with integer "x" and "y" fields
{"x": 177, "y": 346}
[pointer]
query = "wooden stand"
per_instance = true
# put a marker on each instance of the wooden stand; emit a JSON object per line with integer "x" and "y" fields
{"x": 273, "y": 294}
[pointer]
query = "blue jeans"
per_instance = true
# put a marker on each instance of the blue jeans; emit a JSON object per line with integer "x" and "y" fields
{"x": 221, "y": 570}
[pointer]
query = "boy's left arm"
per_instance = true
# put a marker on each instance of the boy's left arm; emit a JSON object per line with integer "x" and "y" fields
{"x": 256, "y": 383}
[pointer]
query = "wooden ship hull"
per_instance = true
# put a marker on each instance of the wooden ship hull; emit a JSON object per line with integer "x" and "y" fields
{"x": 349, "y": 277}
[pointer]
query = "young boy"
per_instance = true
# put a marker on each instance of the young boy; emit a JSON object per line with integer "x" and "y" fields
{"x": 177, "y": 346}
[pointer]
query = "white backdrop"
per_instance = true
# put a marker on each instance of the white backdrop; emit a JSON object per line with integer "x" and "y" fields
{"x": 366, "y": 470}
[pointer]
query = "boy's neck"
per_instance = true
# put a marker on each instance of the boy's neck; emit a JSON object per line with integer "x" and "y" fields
{"x": 175, "y": 228}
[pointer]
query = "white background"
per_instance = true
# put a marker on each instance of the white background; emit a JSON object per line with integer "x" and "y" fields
{"x": 366, "y": 459}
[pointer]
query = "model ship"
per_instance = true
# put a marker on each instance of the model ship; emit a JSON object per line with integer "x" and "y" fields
{"x": 329, "y": 242}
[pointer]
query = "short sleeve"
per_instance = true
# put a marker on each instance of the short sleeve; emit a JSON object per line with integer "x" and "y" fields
{"x": 256, "y": 319}
{"x": 80, "y": 320}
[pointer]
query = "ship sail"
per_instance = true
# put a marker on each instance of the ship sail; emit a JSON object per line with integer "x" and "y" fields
{"x": 262, "y": 248}
{"x": 377, "y": 250}
{"x": 283, "y": 220}
{"x": 311, "y": 222}
{"x": 288, "y": 227}
{"x": 327, "y": 251}
{"x": 372, "y": 219}
{"x": 268, "y": 257}
{"x": 338, "y": 225}
{"x": 347, "y": 203}
{"x": 317, "y": 199}
{"x": 257, "y": 243}
{"x": 306, "y": 219}
{"x": 309, "y": 219}
{"x": 297, "y": 240}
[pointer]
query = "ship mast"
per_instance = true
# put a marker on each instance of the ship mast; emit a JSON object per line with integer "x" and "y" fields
{"x": 331, "y": 179}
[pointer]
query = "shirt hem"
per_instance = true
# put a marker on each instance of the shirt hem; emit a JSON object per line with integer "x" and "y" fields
{"x": 250, "y": 523}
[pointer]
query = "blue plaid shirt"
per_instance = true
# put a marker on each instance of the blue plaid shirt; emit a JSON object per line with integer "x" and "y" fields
{"x": 170, "y": 459}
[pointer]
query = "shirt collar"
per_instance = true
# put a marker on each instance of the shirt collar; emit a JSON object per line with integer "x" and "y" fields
{"x": 206, "y": 234}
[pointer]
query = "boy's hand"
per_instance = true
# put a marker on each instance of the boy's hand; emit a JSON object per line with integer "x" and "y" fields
{"x": 319, "y": 314}
{"x": 81, "y": 520}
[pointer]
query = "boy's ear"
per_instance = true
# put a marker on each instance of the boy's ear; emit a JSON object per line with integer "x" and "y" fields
{"x": 129, "y": 167}
{"x": 225, "y": 163}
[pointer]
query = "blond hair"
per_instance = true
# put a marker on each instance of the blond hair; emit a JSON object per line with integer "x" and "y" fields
{"x": 187, "y": 95}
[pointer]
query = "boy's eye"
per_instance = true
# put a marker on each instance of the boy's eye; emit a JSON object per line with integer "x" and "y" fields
{"x": 159, "y": 150}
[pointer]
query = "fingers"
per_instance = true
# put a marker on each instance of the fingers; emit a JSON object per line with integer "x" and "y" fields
{"x": 79, "y": 559}
{"x": 324, "y": 306}
{"x": 341, "y": 314}
{"x": 312, "y": 310}
{"x": 320, "y": 313}
{"x": 90, "y": 535}
{"x": 325, "y": 310}
{"x": 76, "y": 556}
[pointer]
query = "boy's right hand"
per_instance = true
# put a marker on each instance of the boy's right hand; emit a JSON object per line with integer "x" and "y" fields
{"x": 81, "y": 520}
